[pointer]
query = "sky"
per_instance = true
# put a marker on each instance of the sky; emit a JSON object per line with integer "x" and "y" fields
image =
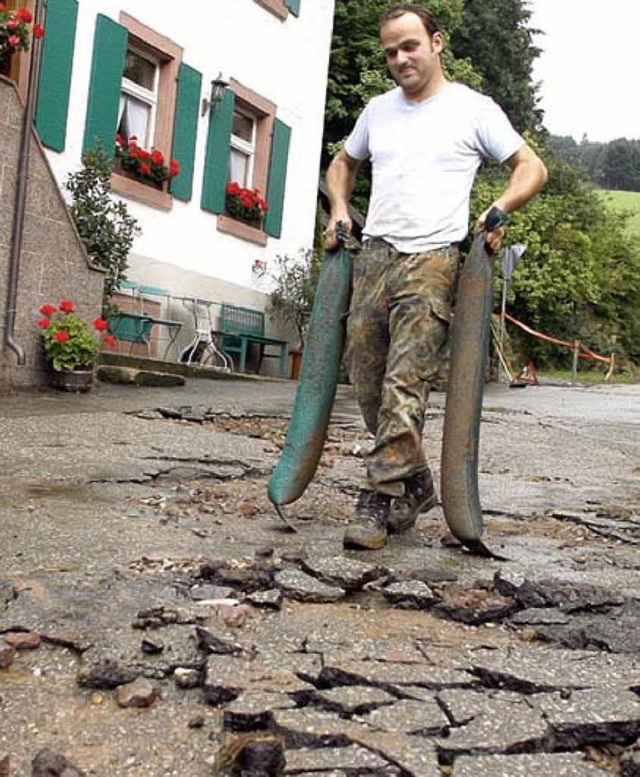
{"x": 590, "y": 67}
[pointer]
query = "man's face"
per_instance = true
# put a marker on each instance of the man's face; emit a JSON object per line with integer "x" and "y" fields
{"x": 412, "y": 54}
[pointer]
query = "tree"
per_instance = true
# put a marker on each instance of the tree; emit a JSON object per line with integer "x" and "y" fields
{"x": 105, "y": 225}
{"x": 621, "y": 165}
{"x": 580, "y": 277}
{"x": 495, "y": 37}
{"x": 295, "y": 282}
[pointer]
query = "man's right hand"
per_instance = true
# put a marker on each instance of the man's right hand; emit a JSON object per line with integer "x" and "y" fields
{"x": 331, "y": 239}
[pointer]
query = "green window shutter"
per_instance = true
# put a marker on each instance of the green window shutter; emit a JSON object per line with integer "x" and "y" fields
{"x": 293, "y": 6}
{"x": 277, "y": 178}
{"x": 52, "y": 105}
{"x": 107, "y": 66}
{"x": 216, "y": 161}
{"x": 185, "y": 129}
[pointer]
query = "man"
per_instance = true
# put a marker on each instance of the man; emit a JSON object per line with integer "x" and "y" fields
{"x": 426, "y": 139}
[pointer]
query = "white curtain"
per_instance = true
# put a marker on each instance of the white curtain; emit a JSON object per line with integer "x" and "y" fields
{"x": 134, "y": 119}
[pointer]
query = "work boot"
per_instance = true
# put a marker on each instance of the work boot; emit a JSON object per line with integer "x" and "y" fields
{"x": 370, "y": 531}
{"x": 419, "y": 497}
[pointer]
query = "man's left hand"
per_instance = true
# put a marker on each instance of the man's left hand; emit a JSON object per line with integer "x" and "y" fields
{"x": 495, "y": 238}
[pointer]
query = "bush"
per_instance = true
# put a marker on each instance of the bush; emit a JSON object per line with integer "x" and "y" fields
{"x": 296, "y": 280}
{"x": 105, "y": 225}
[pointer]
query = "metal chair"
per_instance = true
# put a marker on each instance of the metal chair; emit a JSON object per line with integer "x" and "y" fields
{"x": 203, "y": 349}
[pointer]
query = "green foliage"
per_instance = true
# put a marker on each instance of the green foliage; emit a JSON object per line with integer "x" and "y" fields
{"x": 621, "y": 165}
{"x": 296, "y": 280}
{"x": 613, "y": 165}
{"x": 105, "y": 225}
{"x": 69, "y": 342}
{"x": 629, "y": 204}
{"x": 580, "y": 276}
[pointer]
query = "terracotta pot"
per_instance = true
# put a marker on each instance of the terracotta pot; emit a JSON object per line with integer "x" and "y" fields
{"x": 77, "y": 381}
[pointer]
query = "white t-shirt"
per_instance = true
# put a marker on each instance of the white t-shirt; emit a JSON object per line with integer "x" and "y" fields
{"x": 424, "y": 158}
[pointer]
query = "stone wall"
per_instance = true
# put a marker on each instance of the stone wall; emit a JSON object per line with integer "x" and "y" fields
{"x": 53, "y": 264}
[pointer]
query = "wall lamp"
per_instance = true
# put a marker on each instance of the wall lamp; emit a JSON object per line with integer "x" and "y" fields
{"x": 218, "y": 88}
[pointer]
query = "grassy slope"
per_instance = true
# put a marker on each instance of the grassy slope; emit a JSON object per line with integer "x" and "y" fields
{"x": 626, "y": 201}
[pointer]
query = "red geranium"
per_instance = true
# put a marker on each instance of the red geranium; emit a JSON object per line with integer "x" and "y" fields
{"x": 68, "y": 340}
{"x": 245, "y": 204}
{"x": 146, "y": 165}
{"x": 15, "y": 30}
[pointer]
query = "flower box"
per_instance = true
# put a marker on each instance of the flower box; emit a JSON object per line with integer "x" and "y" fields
{"x": 148, "y": 167}
{"x": 245, "y": 205}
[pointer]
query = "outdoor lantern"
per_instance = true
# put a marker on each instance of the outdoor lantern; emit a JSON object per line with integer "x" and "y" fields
{"x": 218, "y": 88}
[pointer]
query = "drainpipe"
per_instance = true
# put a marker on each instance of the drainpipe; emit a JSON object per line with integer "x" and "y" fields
{"x": 21, "y": 192}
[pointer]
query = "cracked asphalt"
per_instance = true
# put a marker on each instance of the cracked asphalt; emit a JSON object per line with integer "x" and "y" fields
{"x": 138, "y": 545}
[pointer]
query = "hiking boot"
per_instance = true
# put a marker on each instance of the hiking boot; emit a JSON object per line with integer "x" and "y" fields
{"x": 419, "y": 497}
{"x": 370, "y": 531}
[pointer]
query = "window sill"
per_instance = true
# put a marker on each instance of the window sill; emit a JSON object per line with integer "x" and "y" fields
{"x": 240, "y": 229}
{"x": 276, "y": 7}
{"x": 139, "y": 191}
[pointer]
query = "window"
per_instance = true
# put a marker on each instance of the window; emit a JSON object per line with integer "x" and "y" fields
{"x": 147, "y": 103}
{"x": 247, "y": 141}
{"x": 139, "y": 97}
{"x": 250, "y": 143}
{"x": 243, "y": 147}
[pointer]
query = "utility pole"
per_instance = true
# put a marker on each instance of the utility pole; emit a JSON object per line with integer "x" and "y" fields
{"x": 510, "y": 256}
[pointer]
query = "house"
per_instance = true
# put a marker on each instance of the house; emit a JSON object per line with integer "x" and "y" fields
{"x": 233, "y": 90}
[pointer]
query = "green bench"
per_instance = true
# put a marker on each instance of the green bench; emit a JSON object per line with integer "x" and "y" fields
{"x": 239, "y": 327}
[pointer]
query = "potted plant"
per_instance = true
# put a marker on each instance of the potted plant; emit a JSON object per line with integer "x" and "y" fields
{"x": 147, "y": 166}
{"x": 70, "y": 346}
{"x": 246, "y": 205}
{"x": 15, "y": 33}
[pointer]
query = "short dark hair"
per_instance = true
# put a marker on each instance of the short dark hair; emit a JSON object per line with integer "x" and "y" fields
{"x": 427, "y": 17}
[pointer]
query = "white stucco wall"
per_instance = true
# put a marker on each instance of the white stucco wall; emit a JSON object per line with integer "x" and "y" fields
{"x": 284, "y": 61}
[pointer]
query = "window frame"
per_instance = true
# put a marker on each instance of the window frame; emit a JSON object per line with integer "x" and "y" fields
{"x": 148, "y": 96}
{"x": 264, "y": 113}
{"x": 168, "y": 54}
{"x": 276, "y": 7}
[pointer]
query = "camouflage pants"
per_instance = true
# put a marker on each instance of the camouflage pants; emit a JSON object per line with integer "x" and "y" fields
{"x": 397, "y": 328}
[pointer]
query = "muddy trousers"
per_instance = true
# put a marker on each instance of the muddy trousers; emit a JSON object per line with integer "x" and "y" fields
{"x": 397, "y": 328}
